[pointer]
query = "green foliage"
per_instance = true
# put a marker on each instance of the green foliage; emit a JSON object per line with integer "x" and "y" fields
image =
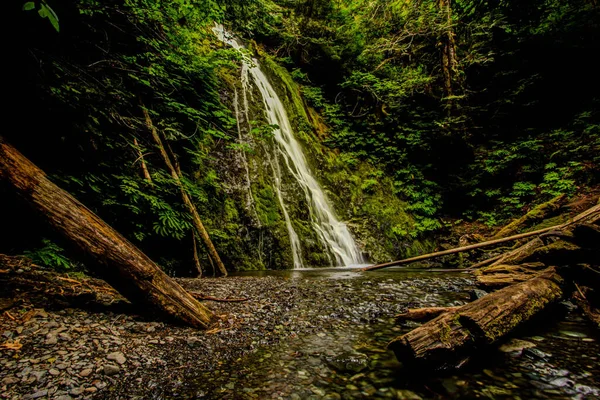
{"x": 44, "y": 11}
{"x": 50, "y": 255}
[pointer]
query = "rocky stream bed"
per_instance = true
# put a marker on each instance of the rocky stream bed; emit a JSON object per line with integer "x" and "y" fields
{"x": 317, "y": 334}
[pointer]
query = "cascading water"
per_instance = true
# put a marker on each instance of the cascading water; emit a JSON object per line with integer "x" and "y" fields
{"x": 332, "y": 233}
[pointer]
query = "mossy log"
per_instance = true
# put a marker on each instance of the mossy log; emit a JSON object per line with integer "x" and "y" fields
{"x": 112, "y": 256}
{"x": 536, "y": 214}
{"x": 449, "y": 340}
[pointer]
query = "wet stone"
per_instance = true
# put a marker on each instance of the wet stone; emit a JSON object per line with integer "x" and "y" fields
{"x": 352, "y": 362}
{"x": 516, "y": 345}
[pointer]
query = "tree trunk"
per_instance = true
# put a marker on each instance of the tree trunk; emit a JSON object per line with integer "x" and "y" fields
{"x": 449, "y": 63}
{"x": 142, "y": 161}
{"x": 448, "y": 340}
{"x": 113, "y": 257}
{"x": 213, "y": 254}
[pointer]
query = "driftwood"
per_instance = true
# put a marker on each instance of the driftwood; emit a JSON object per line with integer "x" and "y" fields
{"x": 450, "y": 339}
{"x": 112, "y": 256}
{"x": 535, "y": 274}
{"x": 513, "y": 257}
{"x": 459, "y": 249}
{"x": 525, "y": 252}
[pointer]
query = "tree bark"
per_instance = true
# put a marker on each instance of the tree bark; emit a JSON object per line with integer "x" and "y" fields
{"x": 113, "y": 257}
{"x": 448, "y": 341}
{"x": 212, "y": 251}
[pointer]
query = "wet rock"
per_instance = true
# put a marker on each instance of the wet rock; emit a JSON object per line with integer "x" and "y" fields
{"x": 534, "y": 353}
{"x": 476, "y": 294}
{"x": 562, "y": 382}
{"x": 110, "y": 369}
{"x": 407, "y": 395}
{"x": 573, "y": 334}
{"x": 352, "y": 362}
{"x": 516, "y": 345}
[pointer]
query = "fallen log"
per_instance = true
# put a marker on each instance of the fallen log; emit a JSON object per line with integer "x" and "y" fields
{"x": 112, "y": 256}
{"x": 536, "y": 214}
{"x": 523, "y": 253}
{"x": 422, "y": 314}
{"x": 448, "y": 341}
{"x": 516, "y": 256}
{"x": 504, "y": 275}
{"x": 458, "y": 250}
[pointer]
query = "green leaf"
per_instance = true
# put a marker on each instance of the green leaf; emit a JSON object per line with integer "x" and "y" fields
{"x": 30, "y": 5}
{"x": 46, "y": 12}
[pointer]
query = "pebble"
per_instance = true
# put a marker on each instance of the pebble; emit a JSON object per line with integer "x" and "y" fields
{"x": 54, "y": 372}
{"x": 516, "y": 345}
{"x": 77, "y": 391}
{"x": 86, "y": 372}
{"x": 36, "y": 395}
{"x": 118, "y": 357}
{"x": 9, "y": 380}
{"x": 110, "y": 369}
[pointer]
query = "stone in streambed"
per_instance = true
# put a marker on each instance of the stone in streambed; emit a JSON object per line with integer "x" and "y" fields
{"x": 516, "y": 345}
{"x": 353, "y": 362}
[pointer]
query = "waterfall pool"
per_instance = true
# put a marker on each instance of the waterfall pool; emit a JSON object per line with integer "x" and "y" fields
{"x": 335, "y": 324}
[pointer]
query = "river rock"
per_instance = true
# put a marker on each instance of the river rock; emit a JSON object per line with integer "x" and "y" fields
{"x": 110, "y": 369}
{"x": 9, "y": 380}
{"x": 118, "y": 357}
{"x": 350, "y": 361}
{"x": 516, "y": 345}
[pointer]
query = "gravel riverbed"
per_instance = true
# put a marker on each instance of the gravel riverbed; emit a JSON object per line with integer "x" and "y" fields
{"x": 299, "y": 335}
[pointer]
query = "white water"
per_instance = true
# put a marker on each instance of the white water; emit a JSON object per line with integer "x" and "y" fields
{"x": 332, "y": 233}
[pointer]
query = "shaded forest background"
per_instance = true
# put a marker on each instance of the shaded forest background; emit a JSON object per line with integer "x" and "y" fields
{"x": 423, "y": 114}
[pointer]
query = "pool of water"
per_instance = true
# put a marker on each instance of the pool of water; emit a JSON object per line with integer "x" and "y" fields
{"x": 345, "y": 357}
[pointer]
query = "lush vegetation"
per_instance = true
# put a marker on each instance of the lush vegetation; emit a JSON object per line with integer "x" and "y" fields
{"x": 415, "y": 112}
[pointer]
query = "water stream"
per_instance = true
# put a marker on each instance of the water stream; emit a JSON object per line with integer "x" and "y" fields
{"x": 287, "y": 153}
{"x": 340, "y": 353}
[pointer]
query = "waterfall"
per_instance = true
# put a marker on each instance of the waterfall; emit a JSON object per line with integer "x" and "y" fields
{"x": 332, "y": 233}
